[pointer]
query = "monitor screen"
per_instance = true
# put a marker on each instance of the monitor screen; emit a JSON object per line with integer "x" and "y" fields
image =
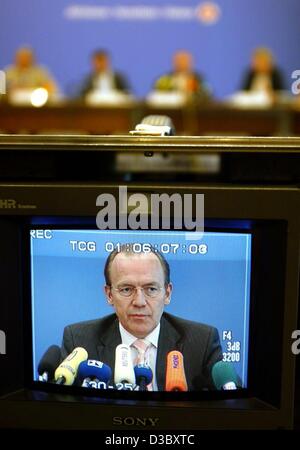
{"x": 187, "y": 299}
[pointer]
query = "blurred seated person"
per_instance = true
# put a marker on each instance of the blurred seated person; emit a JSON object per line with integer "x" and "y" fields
{"x": 103, "y": 79}
{"x": 183, "y": 78}
{"x": 26, "y": 74}
{"x": 263, "y": 75}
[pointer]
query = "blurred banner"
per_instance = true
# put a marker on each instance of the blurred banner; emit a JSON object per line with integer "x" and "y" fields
{"x": 142, "y": 36}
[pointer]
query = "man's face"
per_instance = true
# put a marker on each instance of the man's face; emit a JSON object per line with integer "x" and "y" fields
{"x": 182, "y": 62}
{"x": 100, "y": 63}
{"x": 262, "y": 63}
{"x": 139, "y": 314}
{"x": 24, "y": 58}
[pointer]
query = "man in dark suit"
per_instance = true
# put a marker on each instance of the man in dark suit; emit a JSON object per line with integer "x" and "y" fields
{"x": 263, "y": 75}
{"x": 103, "y": 78}
{"x": 183, "y": 78}
{"x": 138, "y": 287}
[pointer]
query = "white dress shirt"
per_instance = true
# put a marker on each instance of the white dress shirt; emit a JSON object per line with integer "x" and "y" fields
{"x": 261, "y": 83}
{"x": 104, "y": 82}
{"x": 151, "y": 353}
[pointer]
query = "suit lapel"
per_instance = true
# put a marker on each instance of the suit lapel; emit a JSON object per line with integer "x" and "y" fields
{"x": 109, "y": 340}
{"x": 168, "y": 341}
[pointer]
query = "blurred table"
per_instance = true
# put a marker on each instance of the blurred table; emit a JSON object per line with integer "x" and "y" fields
{"x": 222, "y": 119}
{"x": 67, "y": 118}
{"x": 210, "y": 119}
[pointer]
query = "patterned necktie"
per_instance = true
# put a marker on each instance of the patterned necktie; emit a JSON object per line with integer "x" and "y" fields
{"x": 142, "y": 346}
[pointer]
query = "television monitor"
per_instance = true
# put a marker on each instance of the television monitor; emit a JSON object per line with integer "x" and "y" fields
{"x": 67, "y": 286}
{"x": 241, "y": 277}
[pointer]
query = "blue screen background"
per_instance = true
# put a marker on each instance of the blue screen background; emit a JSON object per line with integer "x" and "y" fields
{"x": 213, "y": 288}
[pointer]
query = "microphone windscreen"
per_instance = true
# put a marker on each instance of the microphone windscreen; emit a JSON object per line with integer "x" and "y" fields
{"x": 94, "y": 369}
{"x": 50, "y": 361}
{"x": 175, "y": 376}
{"x": 124, "y": 372}
{"x": 157, "y": 125}
{"x": 158, "y": 120}
{"x": 68, "y": 368}
{"x": 223, "y": 373}
{"x": 143, "y": 371}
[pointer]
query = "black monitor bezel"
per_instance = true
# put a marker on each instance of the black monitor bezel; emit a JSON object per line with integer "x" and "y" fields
{"x": 29, "y": 408}
{"x": 67, "y": 222}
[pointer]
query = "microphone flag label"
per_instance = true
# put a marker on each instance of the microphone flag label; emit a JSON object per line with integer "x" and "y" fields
{"x": 72, "y": 355}
{"x": 175, "y": 361}
{"x": 95, "y": 363}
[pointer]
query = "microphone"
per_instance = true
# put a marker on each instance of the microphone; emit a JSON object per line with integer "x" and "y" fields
{"x": 92, "y": 370}
{"x": 143, "y": 376}
{"x": 124, "y": 372}
{"x": 224, "y": 376}
{"x": 67, "y": 370}
{"x": 49, "y": 363}
{"x": 175, "y": 375}
{"x": 155, "y": 125}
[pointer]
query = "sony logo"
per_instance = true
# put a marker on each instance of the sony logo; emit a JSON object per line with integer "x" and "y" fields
{"x": 139, "y": 421}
